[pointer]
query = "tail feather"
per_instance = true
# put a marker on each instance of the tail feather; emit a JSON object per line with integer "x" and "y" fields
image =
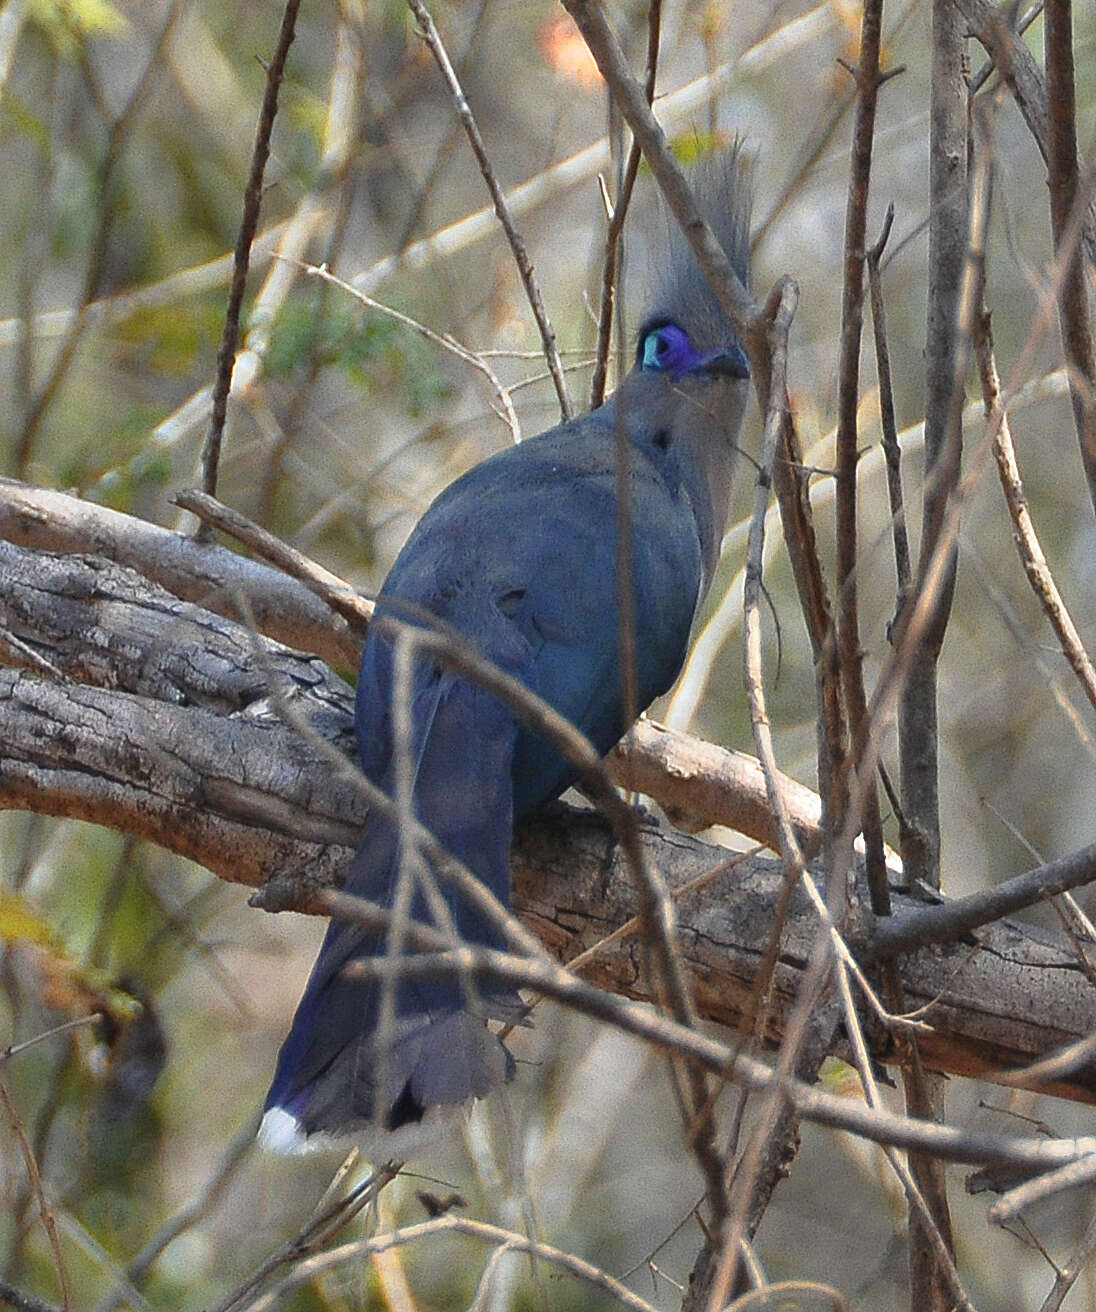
{"x": 338, "y": 1075}
{"x": 432, "y": 1064}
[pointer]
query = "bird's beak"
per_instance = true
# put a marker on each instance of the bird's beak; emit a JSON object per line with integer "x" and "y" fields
{"x": 730, "y": 363}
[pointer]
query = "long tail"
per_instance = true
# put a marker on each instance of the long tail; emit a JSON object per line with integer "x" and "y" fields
{"x": 338, "y": 1076}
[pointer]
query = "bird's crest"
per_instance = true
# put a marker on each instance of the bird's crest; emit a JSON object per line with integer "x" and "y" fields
{"x": 680, "y": 293}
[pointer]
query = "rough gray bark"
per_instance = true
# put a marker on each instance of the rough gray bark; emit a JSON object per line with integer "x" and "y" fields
{"x": 220, "y": 580}
{"x": 165, "y": 721}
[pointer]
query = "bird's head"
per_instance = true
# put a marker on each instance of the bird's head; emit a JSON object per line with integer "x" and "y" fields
{"x": 686, "y": 342}
{"x": 686, "y": 392}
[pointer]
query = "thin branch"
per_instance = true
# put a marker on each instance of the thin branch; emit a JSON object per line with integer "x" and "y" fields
{"x": 891, "y": 450}
{"x": 921, "y": 1207}
{"x": 14, "y": 1049}
{"x": 521, "y": 256}
{"x": 1070, "y": 196}
{"x": 249, "y": 222}
{"x": 507, "y": 1240}
{"x": 934, "y": 1282}
{"x": 944, "y": 378}
{"x": 1073, "y": 1175}
{"x": 1068, "y": 1274}
{"x": 312, "y": 1237}
{"x": 355, "y": 609}
{"x": 611, "y": 259}
{"x": 37, "y": 1187}
{"x": 763, "y": 1159}
{"x": 868, "y": 82}
{"x": 945, "y": 922}
{"x": 1024, "y": 535}
{"x": 444, "y": 341}
{"x": 783, "y": 313}
{"x": 723, "y": 1249}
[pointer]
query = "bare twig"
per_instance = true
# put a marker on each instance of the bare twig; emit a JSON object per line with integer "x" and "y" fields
{"x": 946, "y": 921}
{"x": 783, "y": 312}
{"x": 444, "y": 341}
{"x": 955, "y": 247}
{"x": 921, "y": 1208}
{"x": 338, "y": 594}
{"x": 317, "y": 1232}
{"x": 14, "y": 1049}
{"x": 1070, "y": 196}
{"x": 521, "y": 256}
{"x": 1023, "y": 529}
{"x": 34, "y": 1178}
{"x": 249, "y": 222}
{"x": 611, "y": 259}
{"x": 948, "y": 232}
{"x": 848, "y": 456}
{"x": 1067, "y": 1275}
{"x": 891, "y": 449}
{"x": 1045, "y": 1185}
{"x": 763, "y": 1159}
{"x": 505, "y": 1240}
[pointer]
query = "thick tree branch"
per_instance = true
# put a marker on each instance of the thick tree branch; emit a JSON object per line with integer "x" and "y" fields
{"x": 302, "y": 607}
{"x": 161, "y": 720}
{"x": 281, "y": 607}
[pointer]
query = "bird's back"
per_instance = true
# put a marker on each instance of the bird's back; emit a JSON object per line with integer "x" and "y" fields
{"x": 521, "y": 555}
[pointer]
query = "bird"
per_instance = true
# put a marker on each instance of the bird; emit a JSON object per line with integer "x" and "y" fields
{"x": 520, "y": 556}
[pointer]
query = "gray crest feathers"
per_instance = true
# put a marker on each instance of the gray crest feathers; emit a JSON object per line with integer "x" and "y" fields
{"x": 679, "y": 291}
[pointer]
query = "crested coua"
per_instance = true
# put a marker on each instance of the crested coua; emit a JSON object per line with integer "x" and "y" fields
{"x": 519, "y": 555}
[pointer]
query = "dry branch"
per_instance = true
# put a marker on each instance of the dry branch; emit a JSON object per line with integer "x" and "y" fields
{"x": 164, "y": 726}
{"x": 45, "y": 520}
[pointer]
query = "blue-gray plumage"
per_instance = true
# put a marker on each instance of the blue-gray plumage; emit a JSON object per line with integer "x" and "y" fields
{"x": 520, "y": 555}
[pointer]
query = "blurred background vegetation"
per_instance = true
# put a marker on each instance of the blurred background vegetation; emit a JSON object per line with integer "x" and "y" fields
{"x": 126, "y": 131}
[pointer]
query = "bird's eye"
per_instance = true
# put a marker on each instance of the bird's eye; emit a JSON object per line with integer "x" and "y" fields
{"x": 665, "y": 348}
{"x": 655, "y": 350}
